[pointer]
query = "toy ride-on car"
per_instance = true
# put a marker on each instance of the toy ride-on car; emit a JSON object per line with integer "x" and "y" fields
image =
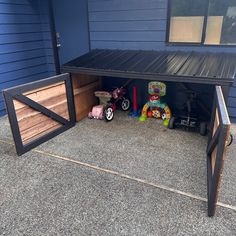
{"x": 108, "y": 104}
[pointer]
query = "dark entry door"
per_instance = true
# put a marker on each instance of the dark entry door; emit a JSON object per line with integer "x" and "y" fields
{"x": 39, "y": 111}
{"x": 216, "y": 148}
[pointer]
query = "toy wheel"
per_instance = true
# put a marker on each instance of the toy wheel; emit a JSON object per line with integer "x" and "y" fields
{"x": 125, "y": 104}
{"x": 108, "y": 114}
{"x": 171, "y": 124}
{"x": 203, "y": 128}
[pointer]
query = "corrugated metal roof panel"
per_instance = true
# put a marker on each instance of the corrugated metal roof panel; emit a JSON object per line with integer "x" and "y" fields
{"x": 211, "y": 68}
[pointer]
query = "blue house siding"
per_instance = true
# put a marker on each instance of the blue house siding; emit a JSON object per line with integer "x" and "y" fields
{"x": 43, "y": 9}
{"x": 71, "y": 21}
{"x": 134, "y": 24}
{"x": 127, "y": 24}
{"x": 25, "y": 44}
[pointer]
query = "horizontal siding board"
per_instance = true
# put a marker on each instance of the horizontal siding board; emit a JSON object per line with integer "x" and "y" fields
{"x": 232, "y": 101}
{"x": 129, "y": 36}
{"x": 31, "y": 78}
{"x": 51, "y": 68}
{"x": 24, "y": 28}
{"x": 50, "y": 59}
{"x": 15, "y": 2}
{"x": 232, "y": 91}
{"x": 16, "y": 47}
{"x": 232, "y": 111}
{"x": 22, "y": 73}
{"x": 22, "y": 64}
{"x": 19, "y": 19}
{"x": 233, "y": 120}
{"x": 128, "y": 26}
{"x": 127, "y": 45}
{"x": 22, "y": 55}
{"x": 45, "y": 27}
{"x": 115, "y": 5}
{"x": 48, "y": 44}
{"x": 151, "y": 14}
{"x": 48, "y": 52}
{"x": 23, "y": 37}
{"x": 17, "y": 9}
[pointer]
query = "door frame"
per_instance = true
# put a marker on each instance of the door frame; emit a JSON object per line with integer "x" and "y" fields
{"x": 216, "y": 148}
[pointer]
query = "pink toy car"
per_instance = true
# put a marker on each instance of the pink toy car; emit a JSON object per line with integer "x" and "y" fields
{"x": 97, "y": 112}
{"x": 100, "y": 112}
{"x": 108, "y": 103}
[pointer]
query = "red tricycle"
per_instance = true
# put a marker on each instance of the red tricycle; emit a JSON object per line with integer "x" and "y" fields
{"x": 108, "y": 103}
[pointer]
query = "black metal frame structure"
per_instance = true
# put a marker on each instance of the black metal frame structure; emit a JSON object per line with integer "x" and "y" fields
{"x": 16, "y": 93}
{"x": 217, "y": 139}
{"x": 200, "y": 44}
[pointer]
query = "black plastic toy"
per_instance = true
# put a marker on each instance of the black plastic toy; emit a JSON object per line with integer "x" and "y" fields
{"x": 189, "y": 116}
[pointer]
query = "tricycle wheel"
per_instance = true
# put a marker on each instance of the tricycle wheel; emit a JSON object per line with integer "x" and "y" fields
{"x": 203, "y": 128}
{"x": 171, "y": 124}
{"x": 125, "y": 104}
{"x": 108, "y": 113}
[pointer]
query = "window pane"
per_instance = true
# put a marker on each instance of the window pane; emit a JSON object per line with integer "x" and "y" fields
{"x": 221, "y": 22}
{"x": 186, "y": 22}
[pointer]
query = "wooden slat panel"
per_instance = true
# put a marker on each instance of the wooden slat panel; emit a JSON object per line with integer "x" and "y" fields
{"x": 43, "y": 94}
{"x": 39, "y": 130}
{"x": 40, "y": 134}
{"x": 33, "y": 124}
{"x": 27, "y": 112}
{"x": 80, "y": 80}
{"x": 84, "y": 87}
{"x": 33, "y": 117}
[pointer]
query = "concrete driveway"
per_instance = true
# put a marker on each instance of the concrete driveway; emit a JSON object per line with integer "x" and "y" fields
{"x": 118, "y": 178}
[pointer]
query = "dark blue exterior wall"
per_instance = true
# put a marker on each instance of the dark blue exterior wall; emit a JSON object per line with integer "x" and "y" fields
{"x": 71, "y": 20}
{"x": 135, "y": 24}
{"x": 25, "y": 43}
